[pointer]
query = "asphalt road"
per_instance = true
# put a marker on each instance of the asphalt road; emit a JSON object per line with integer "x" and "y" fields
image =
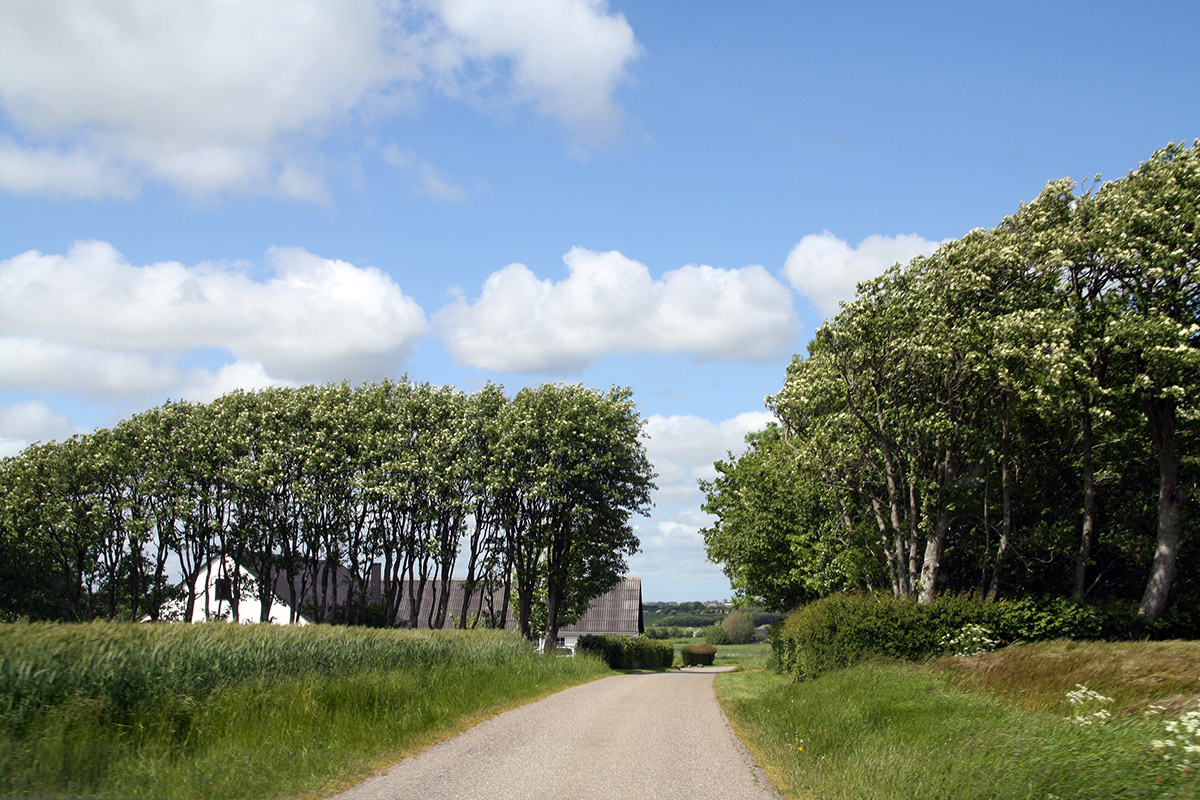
{"x": 653, "y": 735}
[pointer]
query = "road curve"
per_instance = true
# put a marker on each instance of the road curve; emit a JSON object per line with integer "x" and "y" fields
{"x": 647, "y": 735}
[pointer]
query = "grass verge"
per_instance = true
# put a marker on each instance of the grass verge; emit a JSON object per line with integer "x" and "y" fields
{"x": 306, "y": 734}
{"x": 887, "y": 730}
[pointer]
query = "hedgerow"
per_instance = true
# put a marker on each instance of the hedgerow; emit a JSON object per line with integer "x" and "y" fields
{"x": 698, "y": 655}
{"x": 627, "y": 652}
{"x": 841, "y": 630}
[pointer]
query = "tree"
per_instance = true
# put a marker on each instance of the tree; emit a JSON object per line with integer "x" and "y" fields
{"x": 979, "y": 403}
{"x": 776, "y": 533}
{"x": 739, "y": 626}
{"x": 575, "y": 469}
{"x": 1153, "y": 244}
{"x": 312, "y": 486}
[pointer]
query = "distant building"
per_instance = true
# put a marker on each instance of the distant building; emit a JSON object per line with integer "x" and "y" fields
{"x": 617, "y": 612}
{"x": 228, "y": 592}
{"x": 225, "y": 591}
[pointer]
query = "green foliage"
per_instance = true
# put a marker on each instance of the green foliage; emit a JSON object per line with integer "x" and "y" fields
{"x": 287, "y": 481}
{"x": 1029, "y": 388}
{"x": 842, "y": 630}
{"x": 739, "y": 626}
{"x": 771, "y": 533}
{"x": 715, "y": 634}
{"x": 628, "y": 652}
{"x": 698, "y": 655}
{"x": 576, "y": 471}
{"x": 686, "y": 614}
{"x": 690, "y": 620}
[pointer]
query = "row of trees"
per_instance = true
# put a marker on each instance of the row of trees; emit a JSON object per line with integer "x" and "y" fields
{"x": 530, "y": 496}
{"x": 1015, "y": 413}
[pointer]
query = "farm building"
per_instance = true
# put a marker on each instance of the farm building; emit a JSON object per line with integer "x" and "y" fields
{"x": 227, "y": 592}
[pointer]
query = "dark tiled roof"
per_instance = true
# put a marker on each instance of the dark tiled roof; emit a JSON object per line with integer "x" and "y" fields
{"x": 618, "y": 611}
{"x": 433, "y": 591}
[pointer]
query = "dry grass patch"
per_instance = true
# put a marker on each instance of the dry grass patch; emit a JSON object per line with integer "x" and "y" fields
{"x": 1037, "y": 677}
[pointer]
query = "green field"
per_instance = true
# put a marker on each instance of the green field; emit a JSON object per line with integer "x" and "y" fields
{"x": 745, "y": 656}
{"x": 244, "y": 711}
{"x": 999, "y": 725}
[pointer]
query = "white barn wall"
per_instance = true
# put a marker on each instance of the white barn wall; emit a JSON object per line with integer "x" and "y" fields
{"x": 249, "y": 608}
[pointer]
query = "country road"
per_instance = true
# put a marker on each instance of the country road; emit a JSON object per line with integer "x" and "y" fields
{"x": 652, "y": 735}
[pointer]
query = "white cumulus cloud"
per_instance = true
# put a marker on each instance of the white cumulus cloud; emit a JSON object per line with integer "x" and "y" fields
{"x": 568, "y": 56}
{"x": 609, "y": 303}
{"x": 826, "y": 269}
{"x": 682, "y": 449}
{"x": 21, "y": 424}
{"x": 204, "y": 386}
{"x": 99, "y": 98}
{"x": 91, "y": 322}
{"x": 34, "y": 364}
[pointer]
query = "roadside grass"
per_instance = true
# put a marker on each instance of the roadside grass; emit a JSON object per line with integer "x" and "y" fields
{"x": 261, "y": 735}
{"x": 893, "y": 730}
{"x": 743, "y": 656}
{"x": 1037, "y": 676}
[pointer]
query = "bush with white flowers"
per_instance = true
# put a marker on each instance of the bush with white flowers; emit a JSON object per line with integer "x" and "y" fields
{"x": 969, "y": 640}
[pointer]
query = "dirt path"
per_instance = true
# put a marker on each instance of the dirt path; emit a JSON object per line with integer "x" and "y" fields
{"x": 654, "y": 735}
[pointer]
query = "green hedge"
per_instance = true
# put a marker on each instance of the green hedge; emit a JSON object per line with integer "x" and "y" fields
{"x": 626, "y": 652}
{"x": 841, "y": 630}
{"x": 698, "y": 655}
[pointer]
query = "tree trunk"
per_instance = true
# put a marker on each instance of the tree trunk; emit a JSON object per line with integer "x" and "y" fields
{"x": 892, "y": 550}
{"x": 1088, "y": 533}
{"x": 931, "y": 565}
{"x": 893, "y": 490}
{"x": 914, "y": 538}
{"x": 934, "y": 546}
{"x": 1005, "y": 498}
{"x": 1160, "y": 412}
{"x": 554, "y": 594}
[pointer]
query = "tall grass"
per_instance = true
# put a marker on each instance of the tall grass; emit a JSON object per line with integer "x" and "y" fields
{"x": 1037, "y": 676}
{"x": 889, "y": 730}
{"x": 220, "y": 710}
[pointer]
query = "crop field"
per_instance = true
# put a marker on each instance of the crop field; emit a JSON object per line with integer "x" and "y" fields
{"x": 227, "y": 711}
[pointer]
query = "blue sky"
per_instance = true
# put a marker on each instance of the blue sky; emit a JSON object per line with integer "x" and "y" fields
{"x": 667, "y": 195}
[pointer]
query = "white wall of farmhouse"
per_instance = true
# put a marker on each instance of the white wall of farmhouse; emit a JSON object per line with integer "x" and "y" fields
{"x": 211, "y": 604}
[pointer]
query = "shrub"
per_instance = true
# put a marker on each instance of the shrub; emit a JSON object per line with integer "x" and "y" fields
{"x": 698, "y": 655}
{"x": 841, "y": 630}
{"x": 971, "y": 640}
{"x": 715, "y": 634}
{"x": 658, "y": 633}
{"x": 739, "y": 627}
{"x": 626, "y": 652}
